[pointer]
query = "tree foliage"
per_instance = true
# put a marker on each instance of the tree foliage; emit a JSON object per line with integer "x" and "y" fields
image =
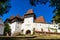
{"x": 56, "y": 3}
{"x": 6, "y": 28}
{"x": 35, "y": 2}
{"x": 53, "y": 3}
{"x": 4, "y": 6}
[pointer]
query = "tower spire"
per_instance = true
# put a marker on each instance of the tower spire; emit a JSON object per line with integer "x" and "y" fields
{"x": 30, "y": 11}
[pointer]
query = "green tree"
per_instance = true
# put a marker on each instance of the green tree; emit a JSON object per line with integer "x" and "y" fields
{"x": 56, "y": 3}
{"x": 6, "y": 28}
{"x": 53, "y": 3}
{"x": 35, "y": 2}
{"x": 4, "y": 7}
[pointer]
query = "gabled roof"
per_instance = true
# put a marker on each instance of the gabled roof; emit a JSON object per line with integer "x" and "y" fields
{"x": 29, "y": 12}
{"x": 12, "y": 17}
{"x": 40, "y": 20}
{"x": 18, "y": 16}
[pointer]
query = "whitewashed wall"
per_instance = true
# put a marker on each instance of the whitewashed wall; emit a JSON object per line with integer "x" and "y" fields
{"x": 12, "y": 27}
{"x": 58, "y": 30}
{"x": 18, "y": 27}
{"x": 27, "y": 26}
{"x": 39, "y": 26}
{"x": 45, "y": 27}
{"x": 15, "y": 28}
{"x": 28, "y": 20}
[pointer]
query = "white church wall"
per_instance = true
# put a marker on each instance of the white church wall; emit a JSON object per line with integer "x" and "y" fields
{"x": 27, "y": 26}
{"x": 18, "y": 27}
{"x": 31, "y": 30}
{"x": 58, "y": 28}
{"x": 45, "y": 27}
{"x": 58, "y": 31}
{"x": 37, "y": 26}
{"x": 12, "y": 27}
{"x": 15, "y": 28}
{"x": 28, "y": 20}
{"x": 40, "y": 26}
{"x": 20, "y": 24}
{"x": 53, "y": 27}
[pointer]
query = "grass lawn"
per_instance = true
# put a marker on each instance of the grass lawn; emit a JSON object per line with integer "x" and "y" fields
{"x": 47, "y": 36}
{"x": 31, "y": 37}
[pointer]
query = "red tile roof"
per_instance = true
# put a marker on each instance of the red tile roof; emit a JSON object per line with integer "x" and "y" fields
{"x": 40, "y": 20}
{"x": 14, "y": 17}
{"x": 11, "y": 17}
{"x": 30, "y": 11}
{"x": 18, "y": 16}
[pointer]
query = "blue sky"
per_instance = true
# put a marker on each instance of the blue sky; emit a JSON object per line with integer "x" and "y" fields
{"x": 21, "y": 6}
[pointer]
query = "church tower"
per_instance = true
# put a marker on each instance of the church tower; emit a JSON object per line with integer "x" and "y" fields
{"x": 29, "y": 16}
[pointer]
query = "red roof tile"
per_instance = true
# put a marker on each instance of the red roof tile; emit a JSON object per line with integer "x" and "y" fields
{"x": 30, "y": 11}
{"x": 40, "y": 20}
{"x": 11, "y": 17}
{"x": 18, "y": 16}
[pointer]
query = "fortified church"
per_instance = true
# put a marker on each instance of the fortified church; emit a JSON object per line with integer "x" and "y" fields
{"x": 28, "y": 24}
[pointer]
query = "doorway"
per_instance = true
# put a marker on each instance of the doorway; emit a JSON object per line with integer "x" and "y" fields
{"x": 28, "y": 32}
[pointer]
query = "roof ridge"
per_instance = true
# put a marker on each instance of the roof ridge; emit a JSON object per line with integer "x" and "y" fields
{"x": 40, "y": 19}
{"x": 30, "y": 11}
{"x": 11, "y": 17}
